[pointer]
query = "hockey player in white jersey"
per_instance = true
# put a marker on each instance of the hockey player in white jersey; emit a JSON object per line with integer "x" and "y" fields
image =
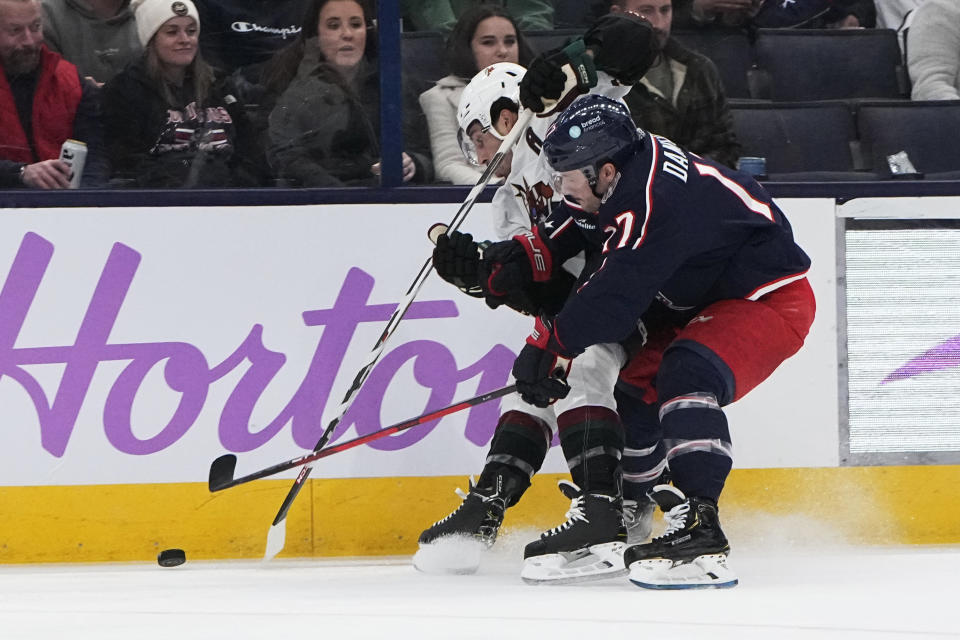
{"x": 590, "y": 543}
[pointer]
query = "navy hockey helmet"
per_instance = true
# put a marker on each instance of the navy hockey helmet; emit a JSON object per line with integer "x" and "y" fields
{"x": 592, "y": 131}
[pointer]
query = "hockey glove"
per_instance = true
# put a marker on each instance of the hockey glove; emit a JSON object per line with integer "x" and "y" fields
{"x": 554, "y": 80}
{"x": 541, "y": 368}
{"x": 624, "y": 45}
{"x": 508, "y": 268}
{"x": 457, "y": 260}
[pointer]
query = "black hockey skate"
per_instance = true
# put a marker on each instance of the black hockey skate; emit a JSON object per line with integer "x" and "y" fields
{"x": 455, "y": 543}
{"x": 691, "y": 553}
{"x": 588, "y": 546}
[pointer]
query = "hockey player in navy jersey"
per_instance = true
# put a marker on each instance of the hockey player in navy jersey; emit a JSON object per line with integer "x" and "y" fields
{"x": 706, "y": 258}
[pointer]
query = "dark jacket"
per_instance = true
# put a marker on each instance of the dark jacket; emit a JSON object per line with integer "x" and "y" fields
{"x": 700, "y": 121}
{"x": 152, "y": 144}
{"x": 323, "y": 133}
{"x": 239, "y": 33}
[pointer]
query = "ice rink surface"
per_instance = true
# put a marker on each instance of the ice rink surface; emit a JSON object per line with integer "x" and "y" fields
{"x": 847, "y": 593}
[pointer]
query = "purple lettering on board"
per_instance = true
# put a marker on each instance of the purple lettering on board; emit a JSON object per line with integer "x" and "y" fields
{"x": 186, "y": 370}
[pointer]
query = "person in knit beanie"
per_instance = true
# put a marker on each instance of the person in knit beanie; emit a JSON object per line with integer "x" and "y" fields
{"x": 168, "y": 124}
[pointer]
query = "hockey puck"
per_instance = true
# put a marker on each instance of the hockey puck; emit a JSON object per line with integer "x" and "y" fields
{"x": 171, "y": 558}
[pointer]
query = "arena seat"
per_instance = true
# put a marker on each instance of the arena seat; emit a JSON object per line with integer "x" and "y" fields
{"x": 543, "y": 41}
{"x": 827, "y": 64}
{"x": 728, "y": 49}
{"x": 929, "y": 131}
{"x": 422, "y": 55}
{"x": 802, "y": 141}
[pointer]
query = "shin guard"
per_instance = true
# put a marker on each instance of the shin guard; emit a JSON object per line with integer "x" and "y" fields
{"x": 520, "y": 444}
{"x": 592, "y": 441}
{"x": 695, "y": 432}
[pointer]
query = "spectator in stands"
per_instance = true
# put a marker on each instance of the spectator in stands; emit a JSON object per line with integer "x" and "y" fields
{"x": 892, "y": 13}
{"x": 99, "y": 36}
{"x": 241, "y": 36}
{"x": 167, "y": 123}
{"x": 442, "y": 15}
{"x": 484, "y": 34}
{"x": 681, "y": 96}
{"x": 43, "y": 102}
{"x": 325, "y": 128}
{"x": 933, "y": 53}
{"x": 809, "y": 14}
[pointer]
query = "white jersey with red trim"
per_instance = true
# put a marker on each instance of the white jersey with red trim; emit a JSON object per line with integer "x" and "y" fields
{"x": 521, "y": 202}
{"x": 525, "y": 198}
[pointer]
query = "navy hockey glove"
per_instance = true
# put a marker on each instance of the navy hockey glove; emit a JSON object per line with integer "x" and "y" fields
{"x": 555, "y": 79}
{"x": 457, "y": 260}
{"x": 624, "y": 45}
{"x": 541, "y": 368}
{"x": 508, "y": 268}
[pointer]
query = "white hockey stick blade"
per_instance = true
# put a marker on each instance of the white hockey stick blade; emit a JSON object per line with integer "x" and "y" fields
{"x": 276, "y": 538}
{"x": 599, "y": 562}
{"x": 437, "y": 230}
{"x": 704, "y": 572}
{"x": 458, "y": 555}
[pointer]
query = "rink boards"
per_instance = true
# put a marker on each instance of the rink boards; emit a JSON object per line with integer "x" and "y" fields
{"x": 139, "y": 344}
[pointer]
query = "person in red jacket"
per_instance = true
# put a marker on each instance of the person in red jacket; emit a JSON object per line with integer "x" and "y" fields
{"x": 43, "y": 102}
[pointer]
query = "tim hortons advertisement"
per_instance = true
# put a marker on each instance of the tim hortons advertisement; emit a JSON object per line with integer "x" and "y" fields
{"x": 136, "y": 345}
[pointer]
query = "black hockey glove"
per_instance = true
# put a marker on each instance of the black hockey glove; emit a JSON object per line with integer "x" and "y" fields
{"x": 509, "y": 268}
{"x": 555, "y": 79}
{"x": 457, "y": 260}
{"x": 541, "y": 368}
{"x": 624, "y": 45}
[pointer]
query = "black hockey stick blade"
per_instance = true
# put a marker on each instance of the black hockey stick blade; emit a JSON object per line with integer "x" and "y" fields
{"x": 222, "y": 469}
{"x": 221, "y": 472}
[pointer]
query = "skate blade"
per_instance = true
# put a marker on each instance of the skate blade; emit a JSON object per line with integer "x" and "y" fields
{"x": 598, "y": 562}
{"x": 450, "y": 555}
{"x": 704, "y": 572}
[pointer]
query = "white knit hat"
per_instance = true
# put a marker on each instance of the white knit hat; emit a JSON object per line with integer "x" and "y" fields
{"x": 151, "y": 14}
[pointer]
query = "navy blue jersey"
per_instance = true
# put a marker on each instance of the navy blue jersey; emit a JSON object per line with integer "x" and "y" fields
{"x": 677, "y": 228}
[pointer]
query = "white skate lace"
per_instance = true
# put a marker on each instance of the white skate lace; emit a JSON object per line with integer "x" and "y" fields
{"x": 463, "y": 496}
{"x": 575, "y": 513}
{"x": 676, "y": 519}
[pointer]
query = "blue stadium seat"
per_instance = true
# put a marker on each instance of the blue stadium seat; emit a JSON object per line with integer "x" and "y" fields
{"x": 929, "y": 131}
{"x": 828, "y": 64}
{"x": 422, "y": 55}
{"x": 728, "y": 49}
{"x": 542, "y": 41}
{"x": 801, "y": 141}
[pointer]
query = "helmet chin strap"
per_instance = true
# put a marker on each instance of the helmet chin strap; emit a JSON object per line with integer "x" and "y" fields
{"x": 609, "y": 191}
{"x": 592, "y": 180}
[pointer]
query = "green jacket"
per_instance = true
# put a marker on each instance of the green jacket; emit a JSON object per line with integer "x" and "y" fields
{"x": 697, "y": 116}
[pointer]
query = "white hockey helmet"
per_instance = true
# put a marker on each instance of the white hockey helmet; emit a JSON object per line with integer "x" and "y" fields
{"x": 500, "y": 80}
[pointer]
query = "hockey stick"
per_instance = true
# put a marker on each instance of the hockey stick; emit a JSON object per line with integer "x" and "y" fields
{"x": 222, "y": 469}
{"x": 276, "y": 536}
